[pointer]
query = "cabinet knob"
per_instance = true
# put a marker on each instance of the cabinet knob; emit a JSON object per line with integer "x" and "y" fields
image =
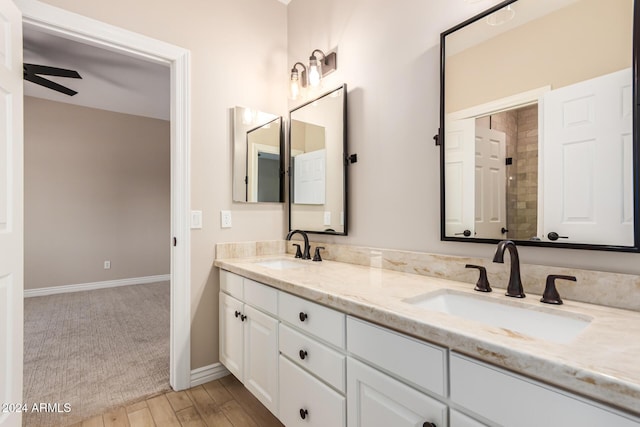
{"x": 303, "y": 413}
{"x": 243, "y": 317}
{"x": 303, "y": 354}
{"x": 237, "y": 313}
{"x": 303, "y": 316}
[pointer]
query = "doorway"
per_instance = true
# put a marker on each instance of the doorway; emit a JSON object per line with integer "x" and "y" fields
{"x": 58, "y": 22}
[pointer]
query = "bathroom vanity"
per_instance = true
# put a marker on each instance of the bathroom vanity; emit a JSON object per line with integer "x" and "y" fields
{"x": 338, "y": 344}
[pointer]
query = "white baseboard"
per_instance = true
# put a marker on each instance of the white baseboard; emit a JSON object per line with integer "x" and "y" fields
{"x": 38, "y": 292}
{"x": 208, "y": 373}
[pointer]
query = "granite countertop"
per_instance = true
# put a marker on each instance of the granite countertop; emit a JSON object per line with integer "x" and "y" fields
{"x": 602, "y": 362}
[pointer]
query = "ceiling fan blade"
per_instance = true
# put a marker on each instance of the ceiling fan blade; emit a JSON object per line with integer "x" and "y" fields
{"x": 49, "y": 84}
{"x": 50, "y": 71}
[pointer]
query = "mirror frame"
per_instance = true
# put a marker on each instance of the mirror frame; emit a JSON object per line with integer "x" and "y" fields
{"x": 345, "y": 162}
{"x": 440, "y": 140}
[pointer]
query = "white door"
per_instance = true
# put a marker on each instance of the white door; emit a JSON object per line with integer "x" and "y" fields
{"x": 11, "y": 202}
{"x": 309, "y": 180}
{"x": 459, "y": 177}
{"x": 231, "y": 334}
{"x": 587, "y": 161}
{"x": 377, "y": 400}
{"x": 261, "y": 357}
{"x": 490, "y": 184}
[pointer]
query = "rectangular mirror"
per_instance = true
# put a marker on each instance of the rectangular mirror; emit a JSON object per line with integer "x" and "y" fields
{"x": 538, "y": 124}
{"x": 317, "y": 168}
{"x": 258, "y": 166}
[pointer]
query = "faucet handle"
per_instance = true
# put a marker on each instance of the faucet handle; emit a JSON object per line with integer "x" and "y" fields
{"x": 316, "y": 255}
{"x": 298, "y": 251}
{"x": 482, "y": 285}
{"x": 551, "y": 295}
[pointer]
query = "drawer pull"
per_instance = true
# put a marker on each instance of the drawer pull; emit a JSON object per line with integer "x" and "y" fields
{"x": 303, "y": 354}
{"x": 428, "y": 424}
{"x": 303, "y": 316}
{"x": 303, "y": 413}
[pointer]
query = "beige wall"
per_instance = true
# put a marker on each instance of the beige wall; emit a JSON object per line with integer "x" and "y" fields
{"x": 388, "y": 54}
{"x": 96, "y": 188}
{"x": 557, "y": 49}
{"x": 238, "y": 57}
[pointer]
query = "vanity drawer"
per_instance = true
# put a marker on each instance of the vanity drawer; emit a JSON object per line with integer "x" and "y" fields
{"x": 317, "y": 358}
{"x": 261, "y": 296}
{"x": 523, "y": 402}
{"x": 315, "y": 319}
{"x": 232, "y": 284}
{"x": 300, "y": 392}
{"x": 413, "y": 361}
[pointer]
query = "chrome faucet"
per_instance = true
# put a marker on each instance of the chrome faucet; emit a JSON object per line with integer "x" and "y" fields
{"x": 514, "y": 288}
{"x": 307, "y": 248}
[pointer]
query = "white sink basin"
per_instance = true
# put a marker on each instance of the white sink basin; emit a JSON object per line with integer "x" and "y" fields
{"x": 514, "y": 316}
{"x": 281, "y": 264}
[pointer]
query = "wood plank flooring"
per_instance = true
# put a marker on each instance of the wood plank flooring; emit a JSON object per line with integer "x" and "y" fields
{"x": 221, "y": 403}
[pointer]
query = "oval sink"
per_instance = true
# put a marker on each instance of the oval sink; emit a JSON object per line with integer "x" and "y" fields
{"x": 280, "y": 264}
{"x": 517, "y": 317}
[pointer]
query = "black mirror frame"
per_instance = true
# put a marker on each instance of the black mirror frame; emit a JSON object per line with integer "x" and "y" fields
{"x": 440, "y": 140}
{"x": 345, "y": 162}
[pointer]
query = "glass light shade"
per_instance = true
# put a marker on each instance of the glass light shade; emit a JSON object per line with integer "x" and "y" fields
{"x": 315, "y": 71}
{"x": 294, "y": 85}
{"x": 501, "y": 16}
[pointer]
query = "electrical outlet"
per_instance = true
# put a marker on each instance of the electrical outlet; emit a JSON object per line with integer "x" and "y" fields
{"x": 225, "y": 219}
{"x": 107, "y": 265}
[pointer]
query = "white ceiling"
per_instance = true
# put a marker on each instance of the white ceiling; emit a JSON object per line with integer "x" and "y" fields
{"x": 110, "y": 81}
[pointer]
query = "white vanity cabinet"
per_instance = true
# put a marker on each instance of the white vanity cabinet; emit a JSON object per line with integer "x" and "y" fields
{"x": 378, "y": 390}
{"x": 509, "y": 399}
{"x": 249, "y": 336}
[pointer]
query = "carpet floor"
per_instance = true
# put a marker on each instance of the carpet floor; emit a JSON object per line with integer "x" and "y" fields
{"x": 94, "y": 350}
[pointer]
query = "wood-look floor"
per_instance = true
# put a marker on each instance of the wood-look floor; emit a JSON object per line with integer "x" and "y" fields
{"x": 221, "y": 403}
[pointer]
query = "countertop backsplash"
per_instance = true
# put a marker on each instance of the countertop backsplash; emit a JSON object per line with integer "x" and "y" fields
{"x": 594, "y": 287}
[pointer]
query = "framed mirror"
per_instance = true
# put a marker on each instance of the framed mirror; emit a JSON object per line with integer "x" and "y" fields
{"x": 317, "y": 164}
{"x": 538, "y": 125}
{"x": 258, "y": 164}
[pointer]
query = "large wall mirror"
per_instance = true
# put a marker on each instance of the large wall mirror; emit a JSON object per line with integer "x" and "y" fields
{"x": 539, "y": 125}
{"x": 317, "y": 168}
{"x": 258, "y": 164}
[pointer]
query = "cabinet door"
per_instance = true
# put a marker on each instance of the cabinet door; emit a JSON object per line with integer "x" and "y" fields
{"x": 375, "y": 399}
{"x": 456, "y": 419}
{"x": 261, "y": 357}
{"x": 231, "y": 334}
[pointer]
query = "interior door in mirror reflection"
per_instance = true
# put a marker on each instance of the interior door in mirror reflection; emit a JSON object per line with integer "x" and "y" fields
{"x": 587, "y": 152}
{"x": 309, "y": 180}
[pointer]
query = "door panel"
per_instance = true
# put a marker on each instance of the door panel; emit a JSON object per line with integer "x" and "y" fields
{"x": 11, "y": 202}
{"x": 587, "y": 145}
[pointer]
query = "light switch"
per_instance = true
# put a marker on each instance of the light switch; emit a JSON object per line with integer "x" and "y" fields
{"x": 225, "y": 219}
{"x": 196, "y": 219}
{"x": 327, "y": 218}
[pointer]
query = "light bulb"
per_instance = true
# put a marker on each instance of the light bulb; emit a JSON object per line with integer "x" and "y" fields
{"x": 315, "y": 71}
{"x": 294, "y": 85}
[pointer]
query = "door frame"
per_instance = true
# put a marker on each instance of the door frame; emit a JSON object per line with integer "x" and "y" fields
{"x": 70, "y": 25}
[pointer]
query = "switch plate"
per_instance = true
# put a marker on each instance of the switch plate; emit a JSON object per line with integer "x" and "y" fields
{"x": 225, "y": 219}
{"x": 327, "y": 218}
{"x": 196, "y": 219}
{"x": 107, "y": 265}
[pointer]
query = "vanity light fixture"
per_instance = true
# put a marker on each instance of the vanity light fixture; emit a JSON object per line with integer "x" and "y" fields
{"x": 501, "y": 16}
{"x": 297, "y": 81}
{"x": 318, "y": 68}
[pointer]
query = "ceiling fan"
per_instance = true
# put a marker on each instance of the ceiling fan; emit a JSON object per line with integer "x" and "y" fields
{"x": 31, "y": 72}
